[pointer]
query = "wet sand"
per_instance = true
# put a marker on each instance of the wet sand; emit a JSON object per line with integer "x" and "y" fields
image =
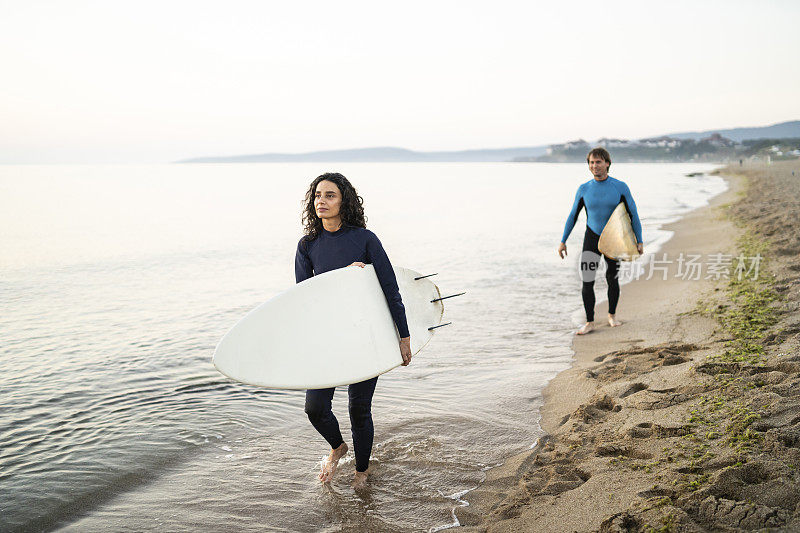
{"x": 687, "y": 417}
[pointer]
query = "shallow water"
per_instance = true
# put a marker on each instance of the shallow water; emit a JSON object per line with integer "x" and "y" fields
{"x": 117, "y": 282}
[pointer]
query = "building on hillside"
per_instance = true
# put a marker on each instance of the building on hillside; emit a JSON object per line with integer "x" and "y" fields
{"x": 661, "y": 142}
{"x": 615, "y": 143}
{"x": 580, "y": 144}
{"x": 719, "y": 141}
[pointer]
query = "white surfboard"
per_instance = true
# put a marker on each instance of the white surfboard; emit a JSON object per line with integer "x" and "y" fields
{"x": 329, "y": 330}
{"x": 617, "y": 241}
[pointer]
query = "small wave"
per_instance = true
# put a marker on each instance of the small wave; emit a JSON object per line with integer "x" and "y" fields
{"x": 457, "y": 497}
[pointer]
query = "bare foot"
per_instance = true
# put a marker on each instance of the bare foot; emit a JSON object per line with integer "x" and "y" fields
{"x": 613, "y": 322}
{"x": 329, "y": 464}
{"x": 360, "y": 480}
{"x": 587, "y": 328}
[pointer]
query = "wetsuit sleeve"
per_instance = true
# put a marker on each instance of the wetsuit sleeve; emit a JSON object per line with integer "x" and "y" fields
{"x": 383, "y": 268}
{"x": 631, "y": 205}
{"x": 302, "y": 263}
{"x": 573, "y": 215}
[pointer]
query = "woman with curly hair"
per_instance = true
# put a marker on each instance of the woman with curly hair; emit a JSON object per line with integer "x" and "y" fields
{"x": 336, "y": 236}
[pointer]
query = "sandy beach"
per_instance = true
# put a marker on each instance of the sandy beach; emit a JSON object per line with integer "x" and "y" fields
{"x": 686, "y": 418}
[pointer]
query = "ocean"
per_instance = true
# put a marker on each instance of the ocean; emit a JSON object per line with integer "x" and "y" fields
{"x": 116, "y": 282}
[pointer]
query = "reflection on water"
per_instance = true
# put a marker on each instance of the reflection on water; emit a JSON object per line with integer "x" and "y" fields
{"x": 117, "y": 282}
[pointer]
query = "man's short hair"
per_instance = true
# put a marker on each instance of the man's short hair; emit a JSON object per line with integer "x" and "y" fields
{"x": 601, "y": 153}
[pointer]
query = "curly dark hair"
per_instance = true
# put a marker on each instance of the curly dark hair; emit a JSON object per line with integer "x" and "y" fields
{"x": 351, "y": 211}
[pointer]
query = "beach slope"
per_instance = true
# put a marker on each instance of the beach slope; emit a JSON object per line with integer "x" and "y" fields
{"x": 687, "y": 417}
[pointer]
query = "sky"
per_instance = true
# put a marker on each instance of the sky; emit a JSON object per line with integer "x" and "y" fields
{"x": 151, "y": 82}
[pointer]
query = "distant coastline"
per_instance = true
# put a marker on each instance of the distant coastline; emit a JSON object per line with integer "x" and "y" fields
{"x": 778, "y": 141}
{"x": 388, "y": 154}
{"x": 712, "y": 149}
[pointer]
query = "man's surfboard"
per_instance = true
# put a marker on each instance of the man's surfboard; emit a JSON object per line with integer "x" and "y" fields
{"x": 329, "y": 330}
{"x": 618, "y": 241}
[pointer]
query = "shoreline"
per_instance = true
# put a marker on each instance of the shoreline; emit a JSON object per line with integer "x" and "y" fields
{"x": 622, "y": 442}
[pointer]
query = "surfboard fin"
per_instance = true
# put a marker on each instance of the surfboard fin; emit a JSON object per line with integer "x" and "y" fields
{"x": 423, "y": 277}
{"x": 446, "y": 297}
{"x": 439, "y": 326}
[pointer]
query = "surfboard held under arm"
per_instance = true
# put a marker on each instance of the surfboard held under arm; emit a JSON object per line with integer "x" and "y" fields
{"x": 332, "y": 329}
{"x": 618, "y": 241}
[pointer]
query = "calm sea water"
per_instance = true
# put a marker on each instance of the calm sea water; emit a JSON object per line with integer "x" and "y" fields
{"x": 116, "y": 282}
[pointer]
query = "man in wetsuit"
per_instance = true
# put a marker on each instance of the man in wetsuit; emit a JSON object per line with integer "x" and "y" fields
{"x": 600, "y": 196}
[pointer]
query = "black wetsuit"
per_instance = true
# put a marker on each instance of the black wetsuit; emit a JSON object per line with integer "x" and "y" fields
{"x": 329, "y": 251}
{"x": 590, "y": 262}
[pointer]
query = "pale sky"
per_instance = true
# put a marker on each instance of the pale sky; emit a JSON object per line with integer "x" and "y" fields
{"x": 149, "y": 82}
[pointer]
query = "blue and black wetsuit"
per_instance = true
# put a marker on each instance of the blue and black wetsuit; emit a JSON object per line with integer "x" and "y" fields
{"x": 600, "y": 198}
{"x": 329, "y": 251}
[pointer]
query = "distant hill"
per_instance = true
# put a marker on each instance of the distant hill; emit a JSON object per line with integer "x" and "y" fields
{"x": 644, "y": 149}
{"x": 714, "y": 148}
{"x": 782, "y": 130}
{"x": 380, "y": 154}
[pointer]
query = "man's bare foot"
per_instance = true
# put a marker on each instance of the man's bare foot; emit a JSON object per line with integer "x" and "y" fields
{"x": 360, "y": 480}
{"x": 613, "y": 322}
{"x": 587, "y": 328}
{"x": 329, "y": 464}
